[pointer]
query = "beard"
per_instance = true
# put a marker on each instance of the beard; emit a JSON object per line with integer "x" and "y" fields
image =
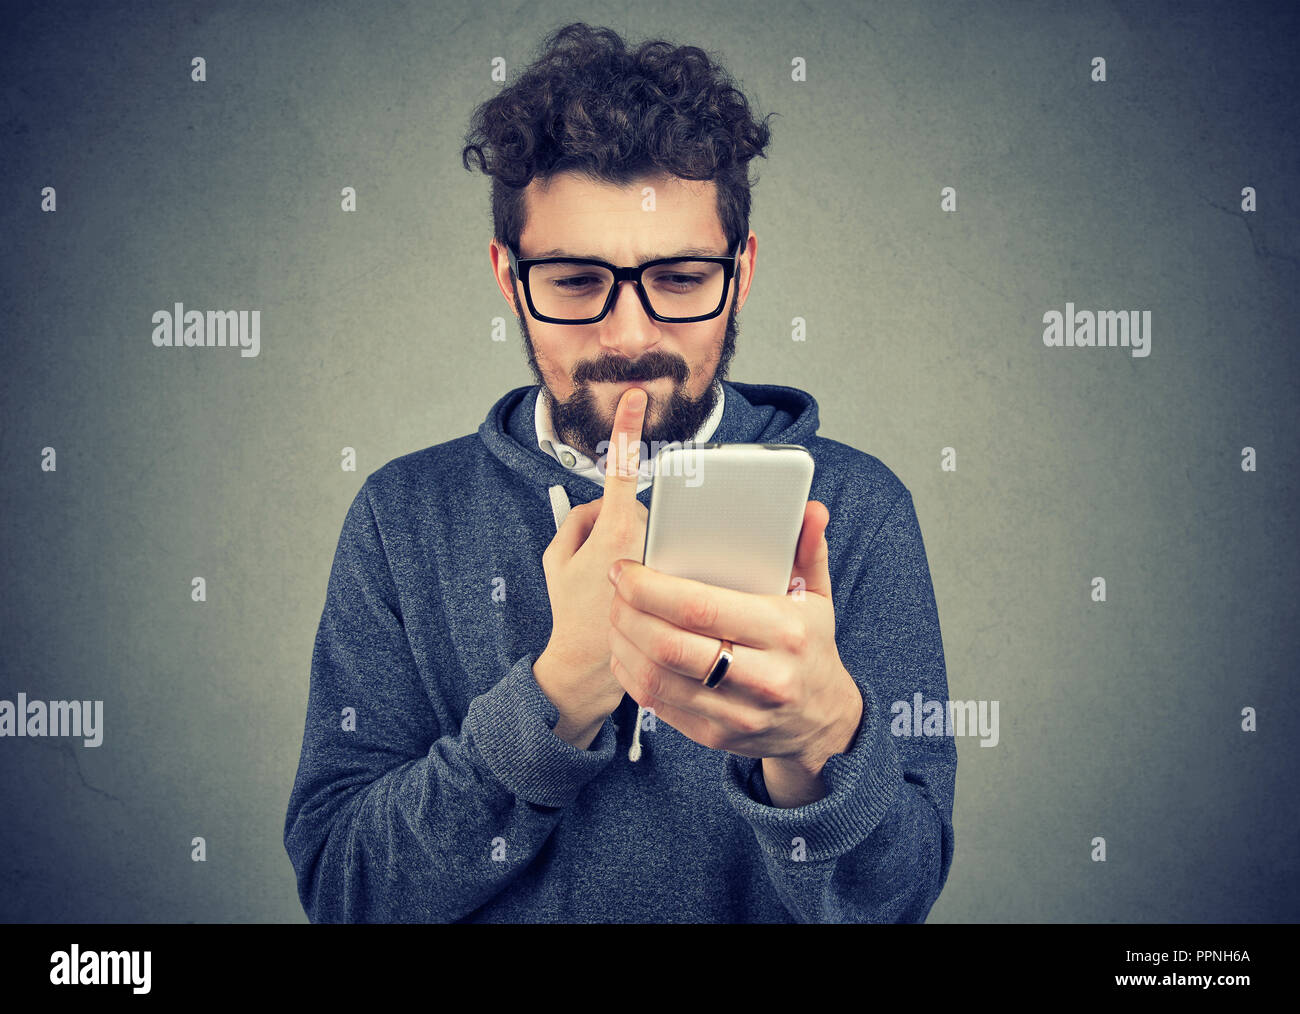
{"x": 579, "y": 421}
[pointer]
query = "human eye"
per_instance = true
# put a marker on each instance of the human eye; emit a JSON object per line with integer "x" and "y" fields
{"x": 573, "y": 282}
{"x": 680, "y": 277}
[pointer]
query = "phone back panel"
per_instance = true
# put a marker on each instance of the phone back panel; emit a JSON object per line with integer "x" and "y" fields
{"x": 728, "y": 514}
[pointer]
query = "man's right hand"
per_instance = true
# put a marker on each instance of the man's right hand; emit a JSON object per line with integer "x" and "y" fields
{"x": 573, "y": 671}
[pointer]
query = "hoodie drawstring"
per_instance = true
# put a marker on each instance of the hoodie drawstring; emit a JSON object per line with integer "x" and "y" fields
{"x": 559, "y": 505}
{"x": 560, "y": 511}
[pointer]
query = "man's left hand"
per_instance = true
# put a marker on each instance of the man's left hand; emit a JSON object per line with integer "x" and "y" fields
{"x": 786, "y": 697}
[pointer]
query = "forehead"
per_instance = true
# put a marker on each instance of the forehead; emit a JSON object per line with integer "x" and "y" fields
{"x": 655, "y": 216}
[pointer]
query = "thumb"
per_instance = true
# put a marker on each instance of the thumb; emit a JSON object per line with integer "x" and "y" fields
{"x": 812, "y": 557}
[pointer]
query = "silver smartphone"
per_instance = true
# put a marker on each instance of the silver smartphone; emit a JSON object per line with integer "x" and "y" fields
{"x": 728, "y": 514}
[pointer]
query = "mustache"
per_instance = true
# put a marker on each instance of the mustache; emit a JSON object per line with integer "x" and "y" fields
{"x": 614, "y": 369}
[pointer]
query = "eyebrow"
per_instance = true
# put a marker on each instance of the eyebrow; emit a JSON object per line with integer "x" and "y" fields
{"x": 692, "y": 251}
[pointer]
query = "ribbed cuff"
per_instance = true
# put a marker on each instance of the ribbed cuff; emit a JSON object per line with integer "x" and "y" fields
{"x": 861, "y": 785}
{"x": 511, "y": 726}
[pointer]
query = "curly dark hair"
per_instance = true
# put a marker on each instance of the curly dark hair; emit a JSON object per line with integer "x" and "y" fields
{"x": 587, "y": 105}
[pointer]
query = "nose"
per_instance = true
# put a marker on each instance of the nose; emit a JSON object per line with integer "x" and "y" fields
{"x": 627, "y": 328}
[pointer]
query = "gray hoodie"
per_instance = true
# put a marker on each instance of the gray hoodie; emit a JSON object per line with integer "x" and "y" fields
{"x": 431, "y": 787}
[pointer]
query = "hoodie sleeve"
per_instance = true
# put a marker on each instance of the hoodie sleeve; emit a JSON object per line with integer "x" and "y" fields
{"x": 391, "y": 818}
{"x": 878, "y": 846}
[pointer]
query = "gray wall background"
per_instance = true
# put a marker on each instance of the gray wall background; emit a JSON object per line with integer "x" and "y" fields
{"x": 1119, "y": 719}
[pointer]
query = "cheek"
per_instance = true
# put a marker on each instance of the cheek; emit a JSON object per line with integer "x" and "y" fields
{"x": 703, "y": 367}
{"x": 556, "y": 366}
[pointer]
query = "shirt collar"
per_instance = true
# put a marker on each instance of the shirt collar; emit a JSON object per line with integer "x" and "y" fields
{"x": 575, "y": 461}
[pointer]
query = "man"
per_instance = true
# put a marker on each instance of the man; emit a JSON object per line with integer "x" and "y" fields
{"x": 507, "y": 718}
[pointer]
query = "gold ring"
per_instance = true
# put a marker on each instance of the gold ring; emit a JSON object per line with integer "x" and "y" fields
{"x": 720, "y": 664}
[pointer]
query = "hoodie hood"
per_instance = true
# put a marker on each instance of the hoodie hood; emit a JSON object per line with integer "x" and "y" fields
{"x": 751, "y": 413}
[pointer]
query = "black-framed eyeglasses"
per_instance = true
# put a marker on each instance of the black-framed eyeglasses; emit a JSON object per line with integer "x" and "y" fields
{"x": 581, "y": 290}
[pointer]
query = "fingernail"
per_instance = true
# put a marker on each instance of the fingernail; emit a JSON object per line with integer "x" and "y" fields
{"x": 636, "y": 400}
{"x": 613, "y": 573}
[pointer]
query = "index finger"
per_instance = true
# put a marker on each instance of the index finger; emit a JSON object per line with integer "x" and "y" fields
{"x": 623, "y": 458}
{"x": 760, "y": 621}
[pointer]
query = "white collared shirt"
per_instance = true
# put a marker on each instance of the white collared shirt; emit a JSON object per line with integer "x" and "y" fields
{"x": 575, "y": 461}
